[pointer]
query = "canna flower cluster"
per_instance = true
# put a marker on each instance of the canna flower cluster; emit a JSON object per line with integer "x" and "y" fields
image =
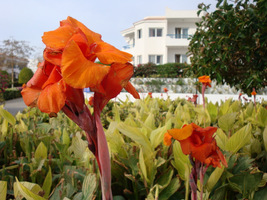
{"x": 202, "y": 149}
{"x": 197, "y": 142}
{"x": 69, "y": 66}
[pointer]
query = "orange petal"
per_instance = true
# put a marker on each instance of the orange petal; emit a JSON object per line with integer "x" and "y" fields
{"x": 54, "y": 77}
{"x": 91, "y": 36}
{"x": 30, "y": 95}
{"x": 52, "y": 98}
{"x": 59, "y": 38}
{"x": 201, "y": 152}
{"x": 79, "y": 72}
{"x": 206, "y": 133}
{"x": 167, "y": 139}
{"x": 130, "y": 88}
{"x": 38, "y": 79}
{"x": 116, "y": 79}
{"x": 108, "y": 54}
{"x": 52, "y": 56}
{"x": 181, "y": 134}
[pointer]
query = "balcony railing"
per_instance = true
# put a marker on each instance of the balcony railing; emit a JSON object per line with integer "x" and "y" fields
{"x": 178, "y": 36}
{"x": 128, "y": 46}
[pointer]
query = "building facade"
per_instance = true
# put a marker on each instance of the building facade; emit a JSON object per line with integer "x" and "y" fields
{"x": 161, "y": 39}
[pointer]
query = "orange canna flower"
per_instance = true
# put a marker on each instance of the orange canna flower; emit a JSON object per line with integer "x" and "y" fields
{"x": 165, "y": 90}
{"x": 150, "y": 94}
{"x": 48, "y": 91}
{"x": 198, "y": 142}
{"x": 205, "y": 80}
{"x": 253, "y": 92}
{"x": 79, "y": 47}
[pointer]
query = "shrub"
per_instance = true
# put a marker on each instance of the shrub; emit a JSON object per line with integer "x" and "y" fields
{"x": 145, "y": 70}
{"x": 11, "y": 93}
{"x": 25, "y": 75}
{"x": 4, "y": 81}
{"x": 168, "y": 70}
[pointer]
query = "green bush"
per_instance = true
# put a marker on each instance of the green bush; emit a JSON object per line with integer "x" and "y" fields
{"x": 146, "y": 70}
{"x": 52, "y": 153}
{"x": 11, "y": 93}
{"x": 25, "y": 75}
{"x": 168, "y": 70}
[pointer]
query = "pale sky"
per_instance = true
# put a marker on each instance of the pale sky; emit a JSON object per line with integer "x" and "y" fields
{"x": 28, "y": 19}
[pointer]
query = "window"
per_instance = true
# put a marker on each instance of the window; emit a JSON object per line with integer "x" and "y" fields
{"x": 181, "y": 33}
{"x": 155, "y": 32}
{"x": 157, "y": 59}
{"x": 180, "y": 58}
{"x": 139, "y": 59}
{"x": 139, "y": 33}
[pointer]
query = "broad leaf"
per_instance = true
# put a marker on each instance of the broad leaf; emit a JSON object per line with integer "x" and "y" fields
{"x": 239, "y": 139}
{"x": 47, "y": 183}
{"x": 7, "y": 115}
{"x": 213, "y": 178}
{"x": 27, "y": 190}
{"x": 89, "y": 186}
{"x": 181, "y": 161}
{"x": 221, "y": 139}
{"x": 227, "y": 121}
{"x": 3, "y": 190}
{"x": 264, "y": 135}
{"x": 41, "y": 151}
{"x": 166, "y": 193}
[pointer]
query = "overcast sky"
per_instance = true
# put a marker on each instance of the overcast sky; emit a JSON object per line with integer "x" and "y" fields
{"x": 28, "y": 19}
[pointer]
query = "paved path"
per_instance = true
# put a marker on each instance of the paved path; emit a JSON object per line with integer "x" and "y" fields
{"x": 15, "y": 105}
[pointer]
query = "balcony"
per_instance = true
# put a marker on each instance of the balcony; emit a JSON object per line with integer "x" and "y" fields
{"x": 127, "y": 47}
{"x": 173, "y": 40}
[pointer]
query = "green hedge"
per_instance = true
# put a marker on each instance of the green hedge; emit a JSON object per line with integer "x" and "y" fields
{"x": 168, "y": 70}
{"x": 11, "y": 93}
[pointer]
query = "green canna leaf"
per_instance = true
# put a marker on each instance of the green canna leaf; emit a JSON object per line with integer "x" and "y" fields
{"x": 226, "y": 122}
{"x": 213, "y": 178}
{"x": 262, "y": 117}
{"x": 221, "y": 139}
{"x": 264, "y": 135}
{"x": 143, "y": 165}
{"x": 239, "y": 139}
{"x": 136, "y": 135}
{"x": 166, "y": 178}
{"x": 27, "y": 190}
{"x": 181, "y": 161}
{"x": 47, "y": 183}
{"x": 7, "y": 115}
{"x": 41, "y": 152}
{"x": 65, "y": 137}
{"x": 157, "y": 135}
{"x": 3, "y": 190}
{"x": 167, "y": 192}
{"x": 89, "y": 186}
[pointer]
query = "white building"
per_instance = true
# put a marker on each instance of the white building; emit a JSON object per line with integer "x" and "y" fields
{"x": 161, "y": 39}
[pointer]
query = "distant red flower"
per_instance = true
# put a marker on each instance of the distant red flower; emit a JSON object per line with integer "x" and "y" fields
{"x": 253, "y": 92}
{"x": 205, "y": 80}
{"x": 165, "y": 90}
{"x": 150, "y": 94}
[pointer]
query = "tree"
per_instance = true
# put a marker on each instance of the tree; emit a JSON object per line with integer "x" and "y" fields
{"x": 14, "y": 53}
{"x": 230, "y": 44}
{"x": 25, "y": 75}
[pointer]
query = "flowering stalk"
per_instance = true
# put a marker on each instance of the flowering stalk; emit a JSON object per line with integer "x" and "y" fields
{"x": 253, "y": 93}
{"x": 205, "y": 80}
{"x": 202, "y": 149}
{"x": 69, "y": 67}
